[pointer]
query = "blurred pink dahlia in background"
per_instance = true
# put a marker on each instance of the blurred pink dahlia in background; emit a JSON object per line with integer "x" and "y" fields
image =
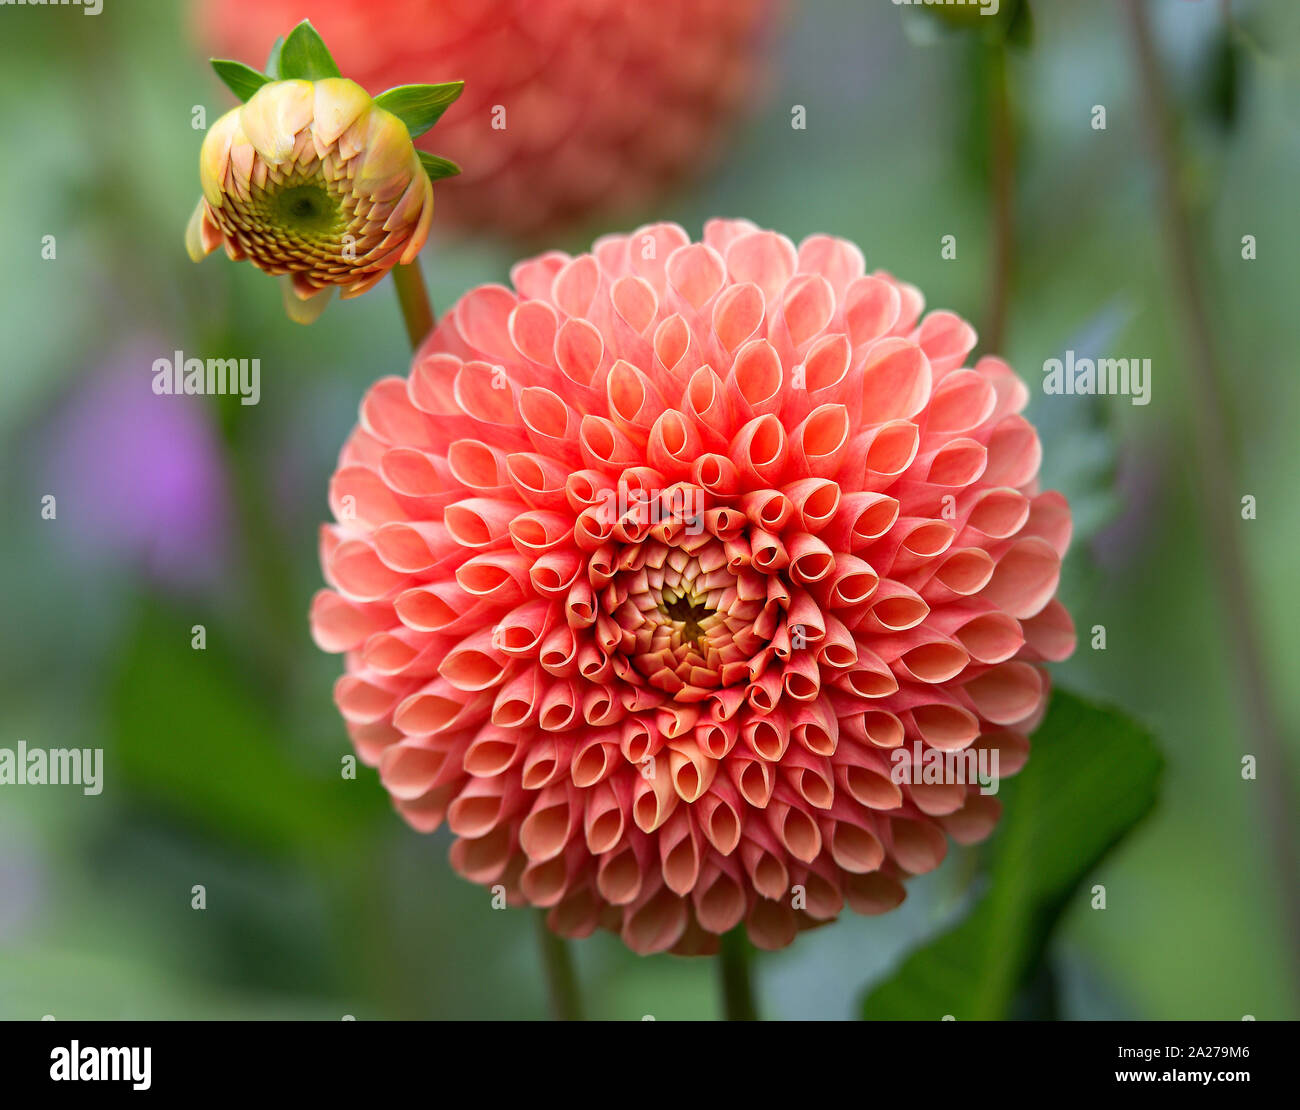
{"x": 572, "y": 108}
{"x": 656, "y": 563}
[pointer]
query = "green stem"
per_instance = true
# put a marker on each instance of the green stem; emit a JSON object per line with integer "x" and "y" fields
{"x": 561, "y": 980}
{"x": 1001, "y": 198}
{"x": 417, "y": 312}
{"x": 737, "y": 987}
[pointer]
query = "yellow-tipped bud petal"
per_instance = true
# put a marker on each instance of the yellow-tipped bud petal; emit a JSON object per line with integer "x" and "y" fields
{"x": 202, "y": 236}
{"x": 422, "y": 226}
{"x": 388, "y": 157}
{"x": 214, "y": 158}
{"x": 339, "y": 103}
{"x": 274, "y": 115}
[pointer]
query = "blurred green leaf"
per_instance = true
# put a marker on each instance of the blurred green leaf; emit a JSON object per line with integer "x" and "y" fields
{"x": 195, "y": 734}
{"x": 240, "y": 79}
{"x": 305, "y": 55}
{"x": 1090, "y": 778}
{"x": 420, "y": 106}
{"x": 438, "y": 168}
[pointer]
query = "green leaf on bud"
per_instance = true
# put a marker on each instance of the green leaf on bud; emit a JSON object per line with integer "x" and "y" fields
{"x": 240, "y": 79}
{"x": 420, "y": 106}
{"x": 438, "y": 168}
{"x": 304, "y": 56}
{"x": 273, "y": 59}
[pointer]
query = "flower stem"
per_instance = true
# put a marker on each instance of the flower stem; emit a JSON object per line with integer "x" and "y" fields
{"x": 561, "y": 980}
{"x": 1001, "y": 197}
{"x": 1218, "y": 480}
{"x": 414, "y": 299}
{"x": 734, "y": 969}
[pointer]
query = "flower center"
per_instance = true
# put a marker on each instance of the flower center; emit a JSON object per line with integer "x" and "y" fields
{"x": 682, "y": 626}
{"x": 306, "y": 209}
{"x": 687, "y": 610}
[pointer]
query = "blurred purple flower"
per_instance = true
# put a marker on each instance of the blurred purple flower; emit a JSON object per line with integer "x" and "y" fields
{"x": 139, "y": 476}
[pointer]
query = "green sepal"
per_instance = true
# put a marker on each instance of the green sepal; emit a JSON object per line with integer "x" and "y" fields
{"x": 420, "y": 106}
{"x": 273, "y": 59}
{"x": 240, "y": 79}
{"x": 437, "y": 168}
{"x": 304, "y": 56}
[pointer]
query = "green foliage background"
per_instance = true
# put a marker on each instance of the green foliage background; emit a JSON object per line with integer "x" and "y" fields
{"x": 222, "y": 766}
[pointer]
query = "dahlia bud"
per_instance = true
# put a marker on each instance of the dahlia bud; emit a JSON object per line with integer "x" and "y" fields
{"x": 313, "y": 179}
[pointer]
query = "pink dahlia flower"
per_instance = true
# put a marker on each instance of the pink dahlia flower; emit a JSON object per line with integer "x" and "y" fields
{"x": 571, "y": 107}
{"x": 655, "y": 561}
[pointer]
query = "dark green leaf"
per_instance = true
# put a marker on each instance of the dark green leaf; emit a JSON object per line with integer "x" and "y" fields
{"x": 1091, "y": 776}
{"x": 438, "y": 168}
{"x": 419, "y": 106}
{"x": 304, "y": 55}
{"x": 240, "y": 79}
{"x": 273, "y": 59}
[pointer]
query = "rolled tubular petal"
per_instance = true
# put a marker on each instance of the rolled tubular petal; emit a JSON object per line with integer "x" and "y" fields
{"x": 698, "y": 590}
